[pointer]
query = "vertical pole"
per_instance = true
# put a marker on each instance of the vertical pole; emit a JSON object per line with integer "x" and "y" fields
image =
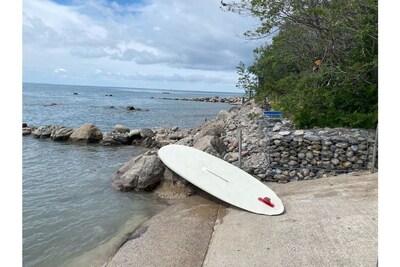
{"x": 240, "y": 147}
{"x": 375, "y": 149}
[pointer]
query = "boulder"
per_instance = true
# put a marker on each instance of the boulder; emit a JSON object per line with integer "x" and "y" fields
{"x": 134, "y": 133}
{"x": 162, "y": 140}
{"x": 146, "y": 132}
{"x": 173, "y": 186}
{"x": 141, "y": 173}
{"x": 211, "y": 144}
{"x": 87, "y": 133}
{"x": 176, "y": 136}
{"x": 223, "y": 115}
{"x": 26, "y": 131}
{"x": 121, "y": 128}
{"x": 116, "y": 138}
{"x": 186, "y": 141}
{"x": 43, "y": 131}
{"x": 146, "y": 142}
{"x": 143, "y": 136}
{"x": 213, "y": 128}
{"x": 61, "y": 133}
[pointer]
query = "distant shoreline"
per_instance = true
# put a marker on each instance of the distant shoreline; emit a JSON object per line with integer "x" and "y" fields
{"x": 141, "y": 88}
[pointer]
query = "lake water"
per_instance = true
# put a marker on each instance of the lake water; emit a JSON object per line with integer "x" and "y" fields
{"x": 71, "y": 214}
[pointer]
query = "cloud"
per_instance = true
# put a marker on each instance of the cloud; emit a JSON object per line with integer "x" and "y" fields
{"x": 192, "y": 35}
{"x": 181, "y": 35}
{"x": 175, "y": 77}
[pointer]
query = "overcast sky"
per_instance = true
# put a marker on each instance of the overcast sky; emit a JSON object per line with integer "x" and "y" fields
{"x": 174, "y": 44}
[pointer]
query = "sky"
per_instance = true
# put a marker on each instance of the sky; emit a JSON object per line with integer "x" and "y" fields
{"x": 174, "y": 44}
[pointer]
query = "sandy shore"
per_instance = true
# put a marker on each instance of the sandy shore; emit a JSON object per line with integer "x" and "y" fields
{"x": 327, "y": 222}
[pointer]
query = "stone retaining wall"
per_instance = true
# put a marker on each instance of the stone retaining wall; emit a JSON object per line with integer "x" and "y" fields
{"x": 309, "y": 154}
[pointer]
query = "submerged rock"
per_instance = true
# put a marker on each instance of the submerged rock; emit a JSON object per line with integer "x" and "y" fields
{"x": 50, "y": 104}
{"x": 43, "y": 131}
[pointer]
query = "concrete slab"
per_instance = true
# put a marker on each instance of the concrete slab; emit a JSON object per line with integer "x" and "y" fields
{"x": 327, "y": 222}
{"x": 178, "y": 236}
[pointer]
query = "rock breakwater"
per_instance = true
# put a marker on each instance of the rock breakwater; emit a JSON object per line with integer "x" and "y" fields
{"x": 216, "y": 99}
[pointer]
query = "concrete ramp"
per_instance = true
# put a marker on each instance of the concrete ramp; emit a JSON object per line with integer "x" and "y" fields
{"x": 327, "y": 222}
{"x": 178, "y": 236}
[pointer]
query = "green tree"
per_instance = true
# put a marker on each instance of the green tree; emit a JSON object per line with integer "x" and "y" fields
{"x": 321, "y": 67}
{"x": 247, "y": 80}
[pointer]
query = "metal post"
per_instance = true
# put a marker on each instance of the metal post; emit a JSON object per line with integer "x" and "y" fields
{"x": 375, "y": 149}
{"x": 240, "y": 147}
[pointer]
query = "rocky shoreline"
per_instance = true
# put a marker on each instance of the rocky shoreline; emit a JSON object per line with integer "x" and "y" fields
{"x": 215, "y": 99}
{"x": 272, "y": 149}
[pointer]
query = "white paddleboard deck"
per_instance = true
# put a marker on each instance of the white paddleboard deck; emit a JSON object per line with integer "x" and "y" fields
{"x": 221, "y": 179}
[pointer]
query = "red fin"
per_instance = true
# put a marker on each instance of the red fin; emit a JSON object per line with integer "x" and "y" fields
{"x": 266, "y": 200}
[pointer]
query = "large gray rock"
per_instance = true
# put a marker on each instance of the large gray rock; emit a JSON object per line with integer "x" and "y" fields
{"x": 87, "y": 133}
{"x": 213, "y": 128}
{"x": 145, "y": 137}
{"x": 116, "y": 138}
{"x": 223, "y": 115}
{"x": 211, "y": 144}
{"x": 146, "y": 132}
{"x": 61, "y": 133}
{"x": 140, "y": 173}
{"x": 134, "y": 133}
{"x": 121, "y": 128}
{"x": 43, "y": 131}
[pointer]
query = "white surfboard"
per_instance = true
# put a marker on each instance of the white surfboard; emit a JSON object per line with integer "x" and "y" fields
{"x": 221, "y": 179}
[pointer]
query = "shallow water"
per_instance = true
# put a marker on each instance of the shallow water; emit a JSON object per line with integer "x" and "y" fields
{"x": 71, "y": 214}
{"x": 69, "y": 205}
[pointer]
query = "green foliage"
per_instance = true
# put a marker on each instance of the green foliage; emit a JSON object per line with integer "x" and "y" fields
{"x": 253, "y": 116}
{"x": 341, "y": 91}
{"x": 247, "y": 80}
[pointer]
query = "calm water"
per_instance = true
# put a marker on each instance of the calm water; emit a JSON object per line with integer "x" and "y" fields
{"x": 71, "y": 214}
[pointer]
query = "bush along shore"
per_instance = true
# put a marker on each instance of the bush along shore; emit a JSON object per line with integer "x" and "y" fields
{"x": 271, "y": 150}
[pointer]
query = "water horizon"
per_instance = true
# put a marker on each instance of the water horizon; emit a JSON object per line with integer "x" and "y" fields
{"x": 236, "y": 92}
